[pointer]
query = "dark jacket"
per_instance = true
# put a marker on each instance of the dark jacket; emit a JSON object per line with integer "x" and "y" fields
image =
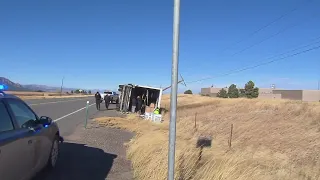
{"x": 97, "y": 96}
{"x": 139, "y": 102}
{"x": 107, "y": 98}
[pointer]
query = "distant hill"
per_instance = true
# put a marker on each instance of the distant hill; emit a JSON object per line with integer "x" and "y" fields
{"x": 13, "y": 86}
{"x": 36, "y": 87}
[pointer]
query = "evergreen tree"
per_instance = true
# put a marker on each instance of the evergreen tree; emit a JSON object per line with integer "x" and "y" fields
{"x": 222, "y": 93}
{"x": 250, "y": 90}
{"x": 188, "y": 92}
{"x": 242, "y": 93}
{"x": 233, "y": 91}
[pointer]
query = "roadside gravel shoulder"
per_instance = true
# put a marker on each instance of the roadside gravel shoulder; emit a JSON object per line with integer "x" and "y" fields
{"x": 111, "y": 141}
{"x": 95, "y": 153}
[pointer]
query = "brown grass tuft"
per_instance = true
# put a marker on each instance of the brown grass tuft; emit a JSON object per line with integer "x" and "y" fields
{"x": 272, "y": 139}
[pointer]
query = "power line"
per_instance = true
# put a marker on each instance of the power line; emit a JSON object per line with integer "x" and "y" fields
{"x": 268, "y": 24}
{"x": 317, "y": 40}
{"x": 313, "y": 42}
{"x": 269, "y": 37}
{"x": 258, "y": 65}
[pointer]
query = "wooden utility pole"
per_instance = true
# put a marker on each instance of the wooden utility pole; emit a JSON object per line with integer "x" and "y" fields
{"x": 61, "y": 86}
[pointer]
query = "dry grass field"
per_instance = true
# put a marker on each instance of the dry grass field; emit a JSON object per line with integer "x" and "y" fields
{"x": 272, "y": 140}
{"x": 43, "y": 95}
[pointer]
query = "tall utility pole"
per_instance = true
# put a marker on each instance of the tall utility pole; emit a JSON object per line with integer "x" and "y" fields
{"x": 174, "y": 90}
{"x": 61, "y": 86}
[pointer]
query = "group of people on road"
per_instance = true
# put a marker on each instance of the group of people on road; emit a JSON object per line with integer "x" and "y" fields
{"x": 136, "y": 102}
{"x": 99, "y": 100}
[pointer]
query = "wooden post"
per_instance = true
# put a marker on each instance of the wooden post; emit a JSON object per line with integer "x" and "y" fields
{"x": 230, "y": 138}
{"x": 195, "y": 121}
{"x": 200, "y": 154}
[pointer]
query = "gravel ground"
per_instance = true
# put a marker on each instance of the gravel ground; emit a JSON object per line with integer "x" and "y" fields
{"x": 95, "y": 153}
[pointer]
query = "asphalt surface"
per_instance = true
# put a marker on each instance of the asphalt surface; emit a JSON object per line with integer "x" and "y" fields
{"x": 61, "y": 109}
{"x": 37, "y": 101}
{"x": 95, "y": 153}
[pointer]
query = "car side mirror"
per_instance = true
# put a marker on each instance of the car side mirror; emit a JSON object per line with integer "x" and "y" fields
{"x": 44, "y": 120}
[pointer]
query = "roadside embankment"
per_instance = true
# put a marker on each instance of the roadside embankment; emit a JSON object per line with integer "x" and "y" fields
{"x": 271, "y": 139}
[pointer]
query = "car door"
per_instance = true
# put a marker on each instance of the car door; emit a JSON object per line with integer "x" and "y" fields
{"x": 26, "y": 128}
{"x": 41, "y": 136}
{"x": 15, "y": 147}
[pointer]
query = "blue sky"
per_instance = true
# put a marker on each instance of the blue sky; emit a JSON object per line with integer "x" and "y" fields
{"x": 100, "y": 44}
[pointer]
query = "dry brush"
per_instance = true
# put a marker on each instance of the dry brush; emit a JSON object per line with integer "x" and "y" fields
{"x": 271, "y": 139}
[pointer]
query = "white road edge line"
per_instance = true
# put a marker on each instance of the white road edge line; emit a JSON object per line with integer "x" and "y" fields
{"x": 55, "y": 102}
{"x": 72, "y": 113}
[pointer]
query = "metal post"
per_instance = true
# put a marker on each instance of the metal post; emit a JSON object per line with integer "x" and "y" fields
{"x": 87, "y": 112}
{"x": 174, "y": 90}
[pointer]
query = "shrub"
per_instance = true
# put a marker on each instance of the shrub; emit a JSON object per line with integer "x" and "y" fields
{"x": 188, "y": 92}
{"x": 222, "y": 93}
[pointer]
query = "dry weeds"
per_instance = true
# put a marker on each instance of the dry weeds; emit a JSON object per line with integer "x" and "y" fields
{"x": 53, "y": 97}
{"x": 272, "y": 139}
{"x": 43, "y": 95}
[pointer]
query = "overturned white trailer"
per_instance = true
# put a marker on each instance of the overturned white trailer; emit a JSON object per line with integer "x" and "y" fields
{"x": 148, "y": 94}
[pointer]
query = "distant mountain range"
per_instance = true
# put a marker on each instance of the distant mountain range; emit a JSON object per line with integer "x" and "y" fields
{"x": 12, "y": 86}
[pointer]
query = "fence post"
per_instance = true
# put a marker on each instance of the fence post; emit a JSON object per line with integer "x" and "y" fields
{"x": 230, "y": 137}
{"x": 195, "y": 121}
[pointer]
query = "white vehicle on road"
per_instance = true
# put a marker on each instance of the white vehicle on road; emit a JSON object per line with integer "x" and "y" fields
{"x": 114, "y": 97}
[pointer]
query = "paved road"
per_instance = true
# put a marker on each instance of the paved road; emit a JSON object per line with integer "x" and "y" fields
{"x": 94, "y": 153}
{"x": 37, "y": 101}
{"x": 68, "y": 112}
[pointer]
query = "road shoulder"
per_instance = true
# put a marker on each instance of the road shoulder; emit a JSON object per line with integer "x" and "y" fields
{"x": 111, "y": 141}
{"x": 94, "y": 153}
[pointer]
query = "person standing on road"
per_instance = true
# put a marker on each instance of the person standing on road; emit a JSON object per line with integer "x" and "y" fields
{"x": 98, "y": 100}
{"x": 107, "y": 100}
{"x": 133, "y": 104}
